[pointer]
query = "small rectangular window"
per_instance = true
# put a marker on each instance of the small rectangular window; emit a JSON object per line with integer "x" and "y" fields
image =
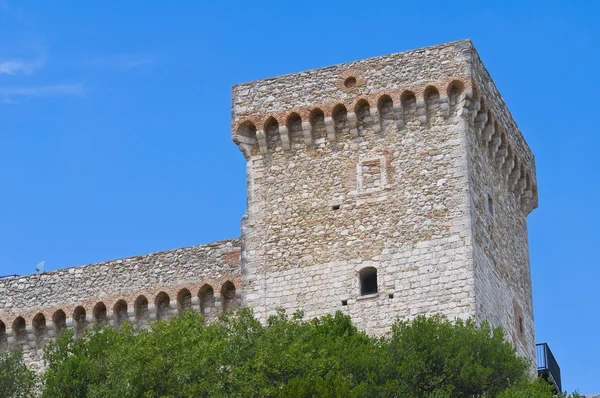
{"x": 368, "y": 281}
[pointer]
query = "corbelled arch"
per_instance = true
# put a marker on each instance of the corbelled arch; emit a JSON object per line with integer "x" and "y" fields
{"x": 3, "y": 336}
{"x": 431, "y": 96}
{"x": 454, "y": 92}
{"x": 339, "y": 116}
{"x": 271, "y": 129}
{"x": 120, "y": 313}
{"x": 140, "y": 307}
{"x": 245, "y": 137}
{"x": 162, "y": 302}
{"x": 408, "y": 99}
{"x": 100, "y": 314}
{"x": 19, "y": 329}
{"x": 184, "y": 300}
{"x": 294, "y": 125}
{"x": 385, "y": 105}
{"x": 59, "y": 321}
{"x": 228, "y": 296}
{"x": 39, "y": 329}
{"x": 317, "y": 121}
{"x": 79, "y": 320}
{"x": 206, "y": 297}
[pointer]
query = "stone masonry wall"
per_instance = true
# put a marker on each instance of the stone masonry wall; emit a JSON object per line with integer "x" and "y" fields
{"x": 33, "y": 309}
{"x": 388, "y": 187}
{"x": 341, "y": 179}
{"x": 503, "y": 193}
{"x": 387, "y": 163}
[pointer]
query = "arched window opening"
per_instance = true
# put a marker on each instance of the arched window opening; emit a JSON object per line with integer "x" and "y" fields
{"x": 271, "y": 128}
{"x": 39, "y": 328}
{"x": 163, "y": 308}
{"x": 100, "y": 314}
{"x": 20, "y": 331}
{"x": 207, "y": 300}
{"x": 368, "y": 281}
{"x": 294, "y": 125}
{"x": 141, "y": 312}
{"x": 120, "y": 313}
{"x": 3, "y": 337}
{"x": 59, "y": 321}
{"x": 184, "y": 300}
{"x": 228, "y": 296}
{"x": 317, "y": 120}
{"x": 79, "y": 321}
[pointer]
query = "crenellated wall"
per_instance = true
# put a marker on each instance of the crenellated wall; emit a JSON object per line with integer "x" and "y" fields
{"x": 387, "y": 187}
{"x": 33, "y": 309}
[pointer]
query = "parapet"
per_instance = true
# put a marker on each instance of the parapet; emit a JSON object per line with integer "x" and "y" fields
{"x": 304, "y": 111}
{"x": 137, "y": 289}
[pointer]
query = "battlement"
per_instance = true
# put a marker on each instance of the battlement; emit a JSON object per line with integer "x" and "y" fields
{"x": 35, "y": 308}
{"x": 323, "y": 107}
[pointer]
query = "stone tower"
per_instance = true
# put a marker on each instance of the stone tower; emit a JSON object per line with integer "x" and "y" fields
{"x": 391, "y": 186}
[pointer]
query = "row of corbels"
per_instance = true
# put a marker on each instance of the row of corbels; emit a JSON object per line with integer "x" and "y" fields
{"x": 37, "y": 337}
{"x": 493, "y": 137}
{"x": 353, "y": 122}
{"x": 250, "y": 136}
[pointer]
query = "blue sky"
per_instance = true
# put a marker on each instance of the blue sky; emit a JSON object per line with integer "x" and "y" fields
{"x": 115, "y": 116}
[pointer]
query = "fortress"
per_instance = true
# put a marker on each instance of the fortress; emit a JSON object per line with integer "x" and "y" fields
{"x": 387, "y": 187}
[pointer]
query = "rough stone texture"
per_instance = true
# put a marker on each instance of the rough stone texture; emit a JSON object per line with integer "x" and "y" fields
{"x": 138, "y": 289}
{"x": 501, "y": 170}
{"x": 407, "y": 163}
{"x": 394, "y": 162}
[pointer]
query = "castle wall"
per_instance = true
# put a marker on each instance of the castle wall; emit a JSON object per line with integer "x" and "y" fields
{"x": 34, "y": 308}
{"x": 384, "y": 187}
{"x": 408, "y": 166}
{"x": 503, "y": 193}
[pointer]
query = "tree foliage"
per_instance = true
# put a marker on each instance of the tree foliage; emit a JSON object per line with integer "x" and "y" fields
{"x": 237, "y": 356}
{"x": 16, "y": 379}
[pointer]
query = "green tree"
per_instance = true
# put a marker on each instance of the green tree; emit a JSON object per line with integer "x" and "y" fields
{"x": 433, "y": 356}
{"x": 536, "y": 389}
{"x": 16, "y": 379}
{"x": 237, "y": 356}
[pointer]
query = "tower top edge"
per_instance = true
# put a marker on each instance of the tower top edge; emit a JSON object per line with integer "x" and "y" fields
{"x": 457, "y": 44}
{"x": 366, "y": 77}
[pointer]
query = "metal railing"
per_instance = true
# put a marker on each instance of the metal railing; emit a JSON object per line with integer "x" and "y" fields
{"x": 547, "y": 366}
